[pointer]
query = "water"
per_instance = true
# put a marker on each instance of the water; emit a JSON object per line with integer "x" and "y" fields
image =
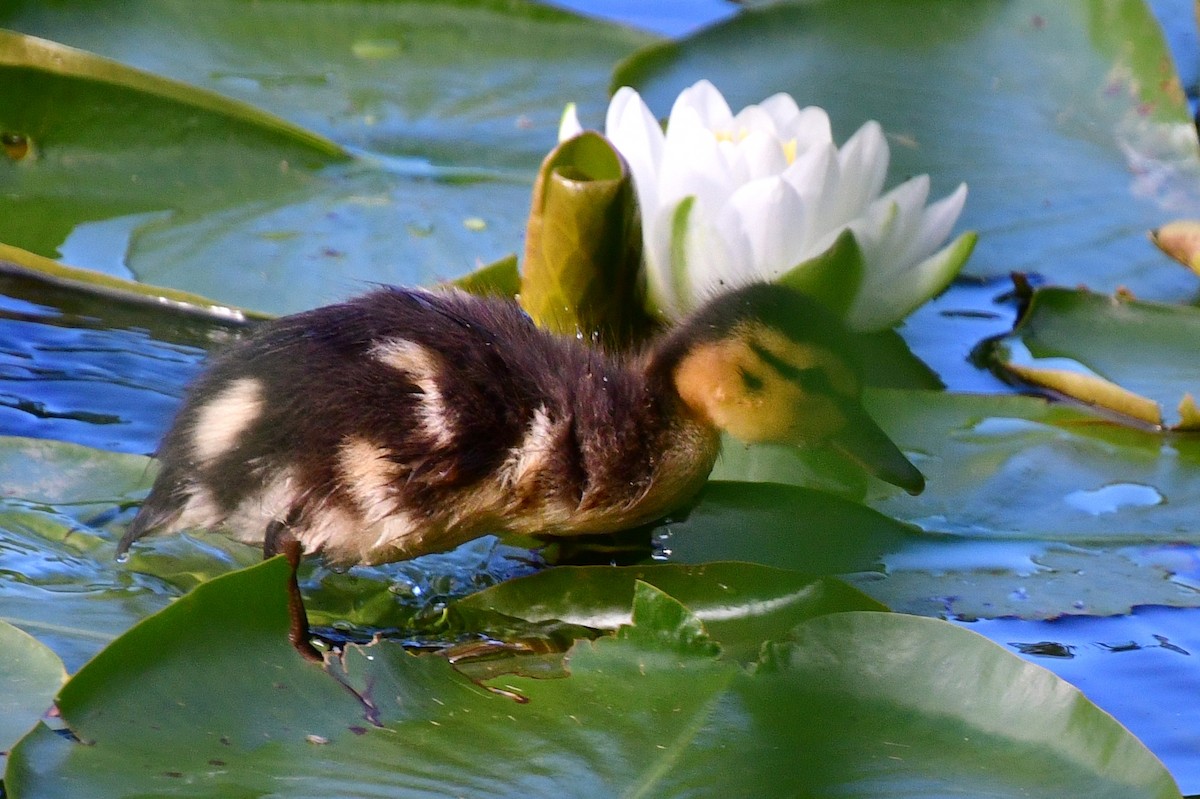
{"x": 93, "y": 373}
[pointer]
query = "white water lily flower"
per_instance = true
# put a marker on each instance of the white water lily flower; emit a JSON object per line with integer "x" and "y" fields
{"x": 728, "y": 199}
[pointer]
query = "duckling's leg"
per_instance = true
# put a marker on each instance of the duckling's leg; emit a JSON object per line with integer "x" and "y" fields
{"x": 279, "y": 539}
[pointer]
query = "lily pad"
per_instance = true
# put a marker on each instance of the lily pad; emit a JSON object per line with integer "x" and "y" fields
{"x": 740, "y": 604}
{"x": 1134, "y": 358}
{"x": 30, "y": 676}
{"x": 1067, "y": 120}
{"x": 91, "y": 154}
{"x": 651, "y": 711}
{"x": 1081, "y": 476}
{"x": 1031, "y": 508}
{"x": 448, "y": 106}
{"x": 800, "y": 529}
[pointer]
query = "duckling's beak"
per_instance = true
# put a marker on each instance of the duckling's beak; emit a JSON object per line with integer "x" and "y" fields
{"x": 867, "y": 445}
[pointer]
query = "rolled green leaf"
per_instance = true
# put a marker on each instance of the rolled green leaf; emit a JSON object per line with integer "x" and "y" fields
{"x": 583, "y": 245}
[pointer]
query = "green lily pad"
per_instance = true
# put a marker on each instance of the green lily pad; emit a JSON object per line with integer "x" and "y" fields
{"x": 58, "y": 511}
{"x": 1031, "y": 508}
{"x": 1135, "y": 358}
{"x": 172, "y": 709}
{"x": 1066, "y": 120}
{"x": 787, "y": 527}
{"x": 448, "y": 106}
{"x": 740, "y": 604}
{"x": 468, "y": 83}
{"x": 91, "y": 153}
{"x": 22, "y": 262}
{"x": 30, "y": 676}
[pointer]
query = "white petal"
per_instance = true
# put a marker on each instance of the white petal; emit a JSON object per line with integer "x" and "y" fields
{"x": 811, "y": 127}
{"x": 863, "y": 161}
{"x": 693, "y": 163}
{"x": 708, "y": 103}
{"x": 784, "y": 113}
{"x": 880, "y": 310}
{"x": 814, "y": 171}
{"x": 711, "y": 259}
{"x": 904, "y": 224}
{"x": 635, "y": 132}
{"x": 759, "y": 155}
{"x": 772, "y": 215}
{"x": 937, "y": 222}
{"x": 752, "y": 119}
{"x": 568, "y": 126}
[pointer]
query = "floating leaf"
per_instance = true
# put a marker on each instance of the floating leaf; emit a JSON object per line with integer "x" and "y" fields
{"x": 30, "y": 676}
{"x": 17, "y": 261}
{"x": 787, "y": 527}
{"x": 1135, "y": 358}
{"x": 1066, "y": 120}
{"x": 1031, "y": 508}
{"x": 206, "y": 699}
{"x": 449, "y": 107}
{"x": 740, "y": 604}
{"x": 98, "y": 158}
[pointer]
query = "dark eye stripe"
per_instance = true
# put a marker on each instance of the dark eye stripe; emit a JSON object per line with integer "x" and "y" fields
{"x": 751, "y": 381}
{"x": 810, "y": 379}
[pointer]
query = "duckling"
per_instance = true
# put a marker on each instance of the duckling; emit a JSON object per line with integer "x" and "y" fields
{"x": 409, "y": 421}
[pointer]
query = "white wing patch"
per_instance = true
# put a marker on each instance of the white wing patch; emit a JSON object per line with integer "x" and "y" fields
{"x": 222, "y": 420}
{"x": 422, "y": 366}
{"x": 529, "y": 457}
{"x": 369, "y": 476}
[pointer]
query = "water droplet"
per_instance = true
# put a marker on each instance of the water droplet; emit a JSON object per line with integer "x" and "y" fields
{"x": 123, "y": 557}
{"x": 1114, "y": 497}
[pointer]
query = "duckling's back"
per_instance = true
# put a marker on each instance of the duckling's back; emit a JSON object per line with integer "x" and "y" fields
{"x": 407, "y": 421}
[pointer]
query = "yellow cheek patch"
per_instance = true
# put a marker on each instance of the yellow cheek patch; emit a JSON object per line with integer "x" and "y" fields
{"x": 712, "y": 381}
{"x": 741, "y": 384}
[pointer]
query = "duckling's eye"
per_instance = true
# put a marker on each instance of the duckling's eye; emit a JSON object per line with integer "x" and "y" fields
{"x": 752, "y": 382}
{"x": 812, "y": 379}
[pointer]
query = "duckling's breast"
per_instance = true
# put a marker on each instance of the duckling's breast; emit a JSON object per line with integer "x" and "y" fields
{"x": 407, "y": 422}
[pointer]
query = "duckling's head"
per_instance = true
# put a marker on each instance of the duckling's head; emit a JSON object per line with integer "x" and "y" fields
{"x": 769, "y": 365}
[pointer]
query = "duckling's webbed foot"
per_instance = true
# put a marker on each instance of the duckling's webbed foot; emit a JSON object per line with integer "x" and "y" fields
{"x": 280, "y": 540}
